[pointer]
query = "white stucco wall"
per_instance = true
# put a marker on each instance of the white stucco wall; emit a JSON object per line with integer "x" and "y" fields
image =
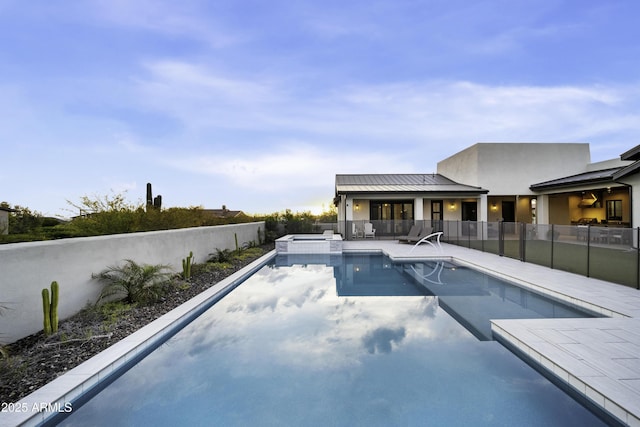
{"x": 360, "y": 209}
{"x": 607, "y": 164}
{"x": 510, "y": 168}
{"x": 27, "y": 268}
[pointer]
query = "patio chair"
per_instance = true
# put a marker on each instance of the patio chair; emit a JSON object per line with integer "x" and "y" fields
{"x": 355, "y": 233}
{"x": 426, "y": 239}
{"x": 423, "y": 233}
{"x": 413, "y": 233}
{"x": 369, "y": 231}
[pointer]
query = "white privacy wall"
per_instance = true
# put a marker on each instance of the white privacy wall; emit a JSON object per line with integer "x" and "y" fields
{"x": 27, "y": 268}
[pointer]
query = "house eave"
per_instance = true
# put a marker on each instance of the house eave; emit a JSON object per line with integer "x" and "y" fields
{"x": 629, "y": 170}
{"x": 633, "y": 154}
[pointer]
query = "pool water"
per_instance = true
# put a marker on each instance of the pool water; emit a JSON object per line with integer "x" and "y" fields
{"x": 357, "y": 341}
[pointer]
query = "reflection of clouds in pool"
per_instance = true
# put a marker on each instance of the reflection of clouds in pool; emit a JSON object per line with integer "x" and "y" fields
{"x": 265, "y": 316}
{"x": 326, "y": 334}
{"x": 381, "y": 340}
{"x": 269, "y": 324}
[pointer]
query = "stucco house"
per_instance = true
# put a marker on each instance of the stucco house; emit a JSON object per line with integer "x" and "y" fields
{"x": 539, "y": 183}
{"x": 4, "y": 219}
{"x": 394, "y": 201}
{"x": 224, "y": 213}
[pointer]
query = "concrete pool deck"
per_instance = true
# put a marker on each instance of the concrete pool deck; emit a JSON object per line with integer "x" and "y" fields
{"x": 598, "y": 358}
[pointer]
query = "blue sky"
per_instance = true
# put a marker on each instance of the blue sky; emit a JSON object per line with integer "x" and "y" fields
{"x": 257, "y": 105}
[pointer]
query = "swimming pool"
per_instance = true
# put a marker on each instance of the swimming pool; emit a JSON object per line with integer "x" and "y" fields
{"x": 353, "y": 340}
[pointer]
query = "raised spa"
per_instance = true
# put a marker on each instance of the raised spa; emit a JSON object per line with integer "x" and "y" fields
{"x": 327, "y": 243}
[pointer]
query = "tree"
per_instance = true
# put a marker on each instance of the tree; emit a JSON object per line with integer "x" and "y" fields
{"x": 108, "y": 214}
{"x": 116, "y": 202}
{"x": 330, "y": 215}
{"x": 23, "y": 220}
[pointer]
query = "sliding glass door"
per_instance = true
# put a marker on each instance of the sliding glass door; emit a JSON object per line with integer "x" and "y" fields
{"x": 391, "y": 217}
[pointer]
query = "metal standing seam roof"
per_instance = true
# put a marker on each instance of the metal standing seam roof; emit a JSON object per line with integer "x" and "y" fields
{"x": 633, "y": 154}
{"x": 627, "y": 170}
{"x": 401, "y": 183}
{"x": 593, "y": 177}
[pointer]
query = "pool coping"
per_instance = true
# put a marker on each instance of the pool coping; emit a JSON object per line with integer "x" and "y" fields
{"x": 58, "y": 396}
{"x": 539, "y": 342}
{"x": 44, "y": 404}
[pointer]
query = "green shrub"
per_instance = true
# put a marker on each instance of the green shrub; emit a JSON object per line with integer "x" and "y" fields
{"x": 134, "y": 283}
{"x": 112, "y": 311}
{"x": 251, "y": 252}
{"x": 210, "y": 266}
{"x": 221, "y": 255}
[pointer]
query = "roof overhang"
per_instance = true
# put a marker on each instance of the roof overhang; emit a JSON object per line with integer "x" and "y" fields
{"x": 628, "y": 170}
{"x": 599, "y": 177}
{"x": 633, "y": 154}
{"x": 407, "y": 189}
{"x": 398, "y": 184}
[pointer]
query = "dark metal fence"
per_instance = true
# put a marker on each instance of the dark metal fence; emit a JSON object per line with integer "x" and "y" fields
{"x": 606, "y": 253}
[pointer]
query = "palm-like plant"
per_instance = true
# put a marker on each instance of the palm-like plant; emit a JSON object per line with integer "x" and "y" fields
{"x": 133, "y": 282}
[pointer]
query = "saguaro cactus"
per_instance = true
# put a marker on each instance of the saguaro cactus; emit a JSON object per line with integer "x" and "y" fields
{"x": 46, "y": 311}
{"x": 55, "y": 290}
{"x": 153, "y": 202}
{"x": 149, "y": 195}
{"x": 50, "y": 308}
{"x": 186, "y": 266}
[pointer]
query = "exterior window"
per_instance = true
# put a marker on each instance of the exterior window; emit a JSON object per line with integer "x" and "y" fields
{"x": 436, "y": 210}
{"x": 614, "y": 210}
{"x": 391, "y": 210}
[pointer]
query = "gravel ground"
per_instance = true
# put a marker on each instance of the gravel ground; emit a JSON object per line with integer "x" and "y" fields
{"x": 36, "y": 360}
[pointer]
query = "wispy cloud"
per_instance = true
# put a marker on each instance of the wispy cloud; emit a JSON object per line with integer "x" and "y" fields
{"x": 294, "y": 165}
{"x": 185, "y": 20}
{"x": 404, "y": 113}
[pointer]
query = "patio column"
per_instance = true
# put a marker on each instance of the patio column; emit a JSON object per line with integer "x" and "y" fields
{"x": 542, "y": 209}
{"x": 483, "y": 209}
{"x": 349, "y": 209}
{"x": 418, "y": 209}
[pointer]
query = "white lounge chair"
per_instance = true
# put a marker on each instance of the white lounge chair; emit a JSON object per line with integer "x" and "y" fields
{"x": 424, "y": 232}
{"x": 369, "y": 231}
{"x": 355, "y": 233}
{"x": 426, "y": 239}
